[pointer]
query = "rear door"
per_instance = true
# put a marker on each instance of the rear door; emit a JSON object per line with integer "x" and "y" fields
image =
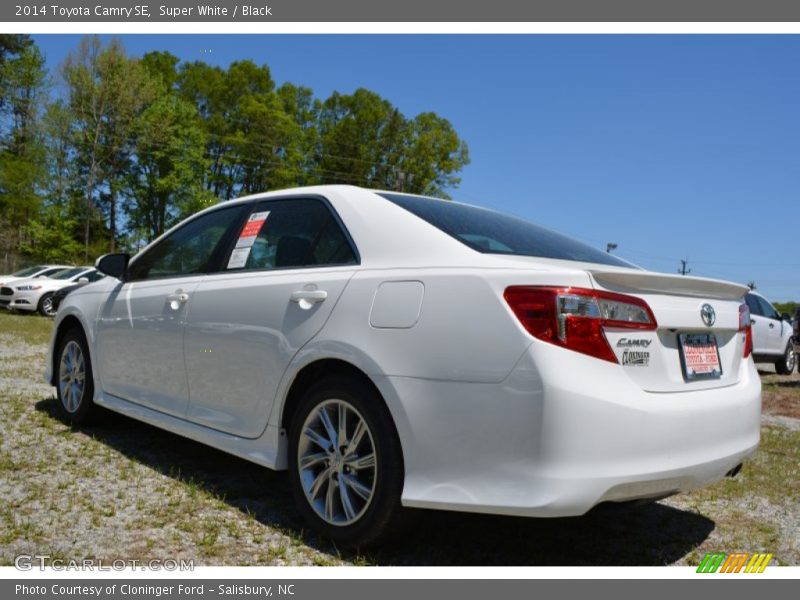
{"x": 277, "y": 286}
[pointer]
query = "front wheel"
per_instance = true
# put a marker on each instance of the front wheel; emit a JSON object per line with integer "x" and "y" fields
{"x": 46, "y": 306}
{"x": 345, "y": 463}
{"x": 786, "y": 363}
{"x": 75, "y": 386}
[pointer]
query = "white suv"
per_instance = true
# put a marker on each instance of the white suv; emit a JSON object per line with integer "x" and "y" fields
{"x": 772, "y": 334}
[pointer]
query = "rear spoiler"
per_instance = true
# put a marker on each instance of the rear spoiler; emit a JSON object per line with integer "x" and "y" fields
{"x": 663, "y": 283}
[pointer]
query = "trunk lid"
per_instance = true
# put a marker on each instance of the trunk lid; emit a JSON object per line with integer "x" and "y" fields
{"x": 655, "y": 360}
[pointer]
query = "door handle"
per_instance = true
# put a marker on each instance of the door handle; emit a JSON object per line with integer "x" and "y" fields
{"x": 772, "y": 325}
{"x": 175, "y": 300}
{"x": 308, "y": 298}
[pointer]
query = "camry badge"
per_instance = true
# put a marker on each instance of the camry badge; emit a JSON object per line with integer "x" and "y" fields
{"x": 708, "y": 315}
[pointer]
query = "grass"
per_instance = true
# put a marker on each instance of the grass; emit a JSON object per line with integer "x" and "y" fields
{"x": 123, "y": 489}
{"x": 31, "y": 327}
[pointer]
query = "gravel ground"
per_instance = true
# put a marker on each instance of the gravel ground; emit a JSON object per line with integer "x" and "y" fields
{"x": 125, "y": 490}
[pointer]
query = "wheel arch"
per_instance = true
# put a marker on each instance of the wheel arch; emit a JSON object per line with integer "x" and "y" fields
{"x": 66, "y": 324}
{"x": 313, "y": 372}
{"x": 325, "y": 366}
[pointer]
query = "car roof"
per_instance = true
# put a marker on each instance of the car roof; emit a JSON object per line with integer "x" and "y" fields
{"x": 402, "y": 239}
{"x": 360, "y": 209}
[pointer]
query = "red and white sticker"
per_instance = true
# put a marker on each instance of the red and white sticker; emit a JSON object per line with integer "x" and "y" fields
{"x": 247, "y": 237}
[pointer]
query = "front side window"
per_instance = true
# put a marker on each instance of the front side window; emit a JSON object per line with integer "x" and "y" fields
{"x": 68, "y": 273}
{"x": 50, "y": 272}
{"x": 300, "y": 232}
{"x": 189, "y": 250}
{"x": 753, "y": 305}
{"x": 767, "y": 309}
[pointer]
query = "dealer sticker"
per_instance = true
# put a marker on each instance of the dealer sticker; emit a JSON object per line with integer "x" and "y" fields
{"x": 247, "y": 237}
{"x": 636, "y": 358}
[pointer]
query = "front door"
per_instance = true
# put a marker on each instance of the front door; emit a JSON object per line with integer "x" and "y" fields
{"x": 141, "y": 325}
{"x": 140, "y": 343}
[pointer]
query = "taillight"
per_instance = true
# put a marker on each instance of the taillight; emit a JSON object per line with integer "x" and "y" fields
{"x": 746, "y": 328}
{"x": 574, "y": 318}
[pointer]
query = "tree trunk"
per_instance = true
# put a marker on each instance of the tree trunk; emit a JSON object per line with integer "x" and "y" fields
{"x": 113, "y": 216}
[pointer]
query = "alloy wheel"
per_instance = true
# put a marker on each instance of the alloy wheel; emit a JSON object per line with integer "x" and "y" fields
{"x": 336, "y": 462}
{"x": 72, "y": 376}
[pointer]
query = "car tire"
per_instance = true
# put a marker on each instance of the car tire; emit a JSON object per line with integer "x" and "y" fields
{"x": 74, "y": 382}
{"x": 45, "y": 306}
{"x": 787, "y": 362}
{"x": 339, "y": 490}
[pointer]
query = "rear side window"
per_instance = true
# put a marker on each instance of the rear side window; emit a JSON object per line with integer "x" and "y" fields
{"x": 291, "y": 233}
{"x": 491, "y": 232}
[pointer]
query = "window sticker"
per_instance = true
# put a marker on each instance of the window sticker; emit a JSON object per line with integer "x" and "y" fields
{"x": 247, "y": 237}
{"x": 238, "y": 258}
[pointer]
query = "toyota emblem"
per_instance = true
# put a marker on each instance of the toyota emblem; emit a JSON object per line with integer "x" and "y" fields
{"x": 708, "y": 314}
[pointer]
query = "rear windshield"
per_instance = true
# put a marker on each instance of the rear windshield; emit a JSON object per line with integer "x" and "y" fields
{"x": 495, "y": 233}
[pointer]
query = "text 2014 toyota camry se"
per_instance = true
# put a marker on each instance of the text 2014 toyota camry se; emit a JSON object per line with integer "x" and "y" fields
{"x": 396, "y": 351}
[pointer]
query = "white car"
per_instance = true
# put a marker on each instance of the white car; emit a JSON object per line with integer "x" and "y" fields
{"x": 36, "y": 294}
{"x": 6, "y": 291}
{"x": 772, "y": 334}
{"x": 397, "y": 351}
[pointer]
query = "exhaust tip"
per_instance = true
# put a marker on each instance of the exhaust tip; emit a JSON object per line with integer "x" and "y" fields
{"x": 734, "y": 471}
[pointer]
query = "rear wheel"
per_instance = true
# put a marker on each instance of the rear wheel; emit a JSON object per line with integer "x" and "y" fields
{"x": 46, "y": 306}
{"x": 345, "y": 463}
{"x": 74, "y": 383}
{"x": 786, "y": 363}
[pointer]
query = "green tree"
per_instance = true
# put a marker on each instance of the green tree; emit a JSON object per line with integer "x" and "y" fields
{"x": 365, "y": 140}
{"x": 107, "y": 91}
{"x": 165, "y": 181}
{"x": 299, "y": 104}
{"x": 22, "y": 151}
{"x": 434, "y": 154}
{"x": 51, "y": 236}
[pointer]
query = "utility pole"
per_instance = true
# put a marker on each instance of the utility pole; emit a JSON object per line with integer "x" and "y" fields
{"x": 683, "y": 270}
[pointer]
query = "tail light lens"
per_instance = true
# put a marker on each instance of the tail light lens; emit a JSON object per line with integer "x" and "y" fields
{"x": 746, "y": 328}
{"x": 574, "y": 318}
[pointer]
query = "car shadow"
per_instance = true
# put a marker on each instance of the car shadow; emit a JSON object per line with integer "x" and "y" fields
{"x": 788, "y": 383}
{"x": 650, "y": 534}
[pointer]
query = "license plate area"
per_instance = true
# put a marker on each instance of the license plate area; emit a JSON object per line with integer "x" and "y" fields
{"x": 699, "y": 356}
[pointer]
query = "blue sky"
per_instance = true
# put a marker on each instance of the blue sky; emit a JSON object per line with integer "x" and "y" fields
{"x": 671, "y": 146}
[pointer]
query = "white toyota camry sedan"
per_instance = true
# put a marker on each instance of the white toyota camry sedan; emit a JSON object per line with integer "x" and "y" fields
{"x": 396, "y": 351}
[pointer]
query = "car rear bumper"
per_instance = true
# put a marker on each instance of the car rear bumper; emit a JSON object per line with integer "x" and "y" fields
{"x": 563, "y": 433}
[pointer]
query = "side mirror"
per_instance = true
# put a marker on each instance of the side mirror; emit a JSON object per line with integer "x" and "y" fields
{"x": 113, "y": 265}
{"x": 786, "y": 317}
{"x": 83, "y": 280}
